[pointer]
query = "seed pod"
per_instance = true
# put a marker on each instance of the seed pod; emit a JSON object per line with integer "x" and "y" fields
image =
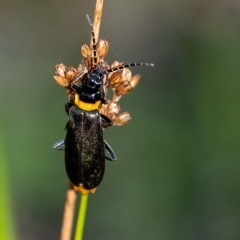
{"x": 122, "y": 118}
{"x": 116, "y": 64}
{"x": 80, "y": 68}
{"x": 135, "y": 80}
{"x": 113, "y": 108}
{"x": 71, "y": 74}
{"x": 62, "y": 81}
{"x": 102, "y": 48}
{"x": 86, "y": 51}
{"x": 124, "y": 88}
{"x": 115, "y": 79}
{"x": 103, "y": 108}
{"x": 126, "y": 74}
{"x": 60, "y": 70}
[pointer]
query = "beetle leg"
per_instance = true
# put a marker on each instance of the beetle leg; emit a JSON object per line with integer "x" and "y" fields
{"x": 108, "y": 149}
{"x": 60, "y": 145}
{"x": 68, "y": 106}
{"x": 106, "y": 122}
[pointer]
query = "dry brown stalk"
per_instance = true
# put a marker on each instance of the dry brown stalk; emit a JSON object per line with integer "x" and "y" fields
{"x": 97, "y": 18}
{"x": 70, "y": 201}
{"x": 68, "y": 215}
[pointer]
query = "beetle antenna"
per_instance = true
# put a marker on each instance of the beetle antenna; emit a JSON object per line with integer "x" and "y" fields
{"x": 93, "y": 40}
{"x": 114, "y": 69}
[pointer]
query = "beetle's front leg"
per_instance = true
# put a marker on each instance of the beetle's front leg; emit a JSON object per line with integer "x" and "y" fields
{"x": 68, "y": 106}
{"x": 106, "y": 122}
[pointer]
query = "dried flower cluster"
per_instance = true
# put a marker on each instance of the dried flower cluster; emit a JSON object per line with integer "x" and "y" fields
{"x": 120, "y": 81}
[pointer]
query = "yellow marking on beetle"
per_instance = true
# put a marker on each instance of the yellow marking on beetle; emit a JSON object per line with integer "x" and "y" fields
{"x": 86, "y": 106}
{"x": 83, "y": 190}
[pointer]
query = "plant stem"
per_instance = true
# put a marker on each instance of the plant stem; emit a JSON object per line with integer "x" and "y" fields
{"x": 68, "y": 214}
{"x": 97, "y": 19}
{"x": 84, "y": 197}
{"x": 81, "y": 217}
{"x": 71, "y": 194}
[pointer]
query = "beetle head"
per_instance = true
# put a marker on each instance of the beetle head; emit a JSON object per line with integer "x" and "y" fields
{"x": 95, "y": 78}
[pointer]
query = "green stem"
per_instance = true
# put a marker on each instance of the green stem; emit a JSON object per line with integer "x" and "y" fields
{"x": 81, "y": 217}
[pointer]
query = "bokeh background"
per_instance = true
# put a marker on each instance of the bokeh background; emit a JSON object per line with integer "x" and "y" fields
{"x": 178, "y": 169}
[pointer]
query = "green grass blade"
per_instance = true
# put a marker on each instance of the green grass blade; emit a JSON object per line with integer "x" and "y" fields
{"x": 6, "y": 218}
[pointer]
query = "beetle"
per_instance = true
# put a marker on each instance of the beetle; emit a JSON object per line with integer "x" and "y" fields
{"x": 84, "y": 144}
{"x": 85, "y": 148}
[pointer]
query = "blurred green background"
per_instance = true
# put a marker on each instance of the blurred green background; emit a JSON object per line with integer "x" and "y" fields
{"x": 178, "y": 169}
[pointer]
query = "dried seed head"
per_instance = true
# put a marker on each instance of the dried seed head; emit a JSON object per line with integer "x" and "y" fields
{"x": 102, "y": 48}
{"x": 64, "y": 75}
{"x": 127, "y": 85}
{"x": 115, "y": 79}
{"x": 103, "y": 109}
{"x": 135, "y": 80}
{"x": 86, "y": 51}
{"x": 124, "y": 88}
{"x": 119, "y": 80}
{"x": 121, "y": 119}
{"x": 126, "y": 74}
{"x": 62, "y": 81}
{"x": 116, "y": 64}
{"x": 71, "y": 74}
{"x": 110, "y": 109}
{"x": 113, "y": 108}
{"x": 80, "y": 68}
{"x": 60, "y": 69}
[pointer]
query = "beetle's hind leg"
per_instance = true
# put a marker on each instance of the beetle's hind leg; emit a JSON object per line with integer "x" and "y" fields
{"x": 60, "y": 145}
{"x": 111, "y": 155}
